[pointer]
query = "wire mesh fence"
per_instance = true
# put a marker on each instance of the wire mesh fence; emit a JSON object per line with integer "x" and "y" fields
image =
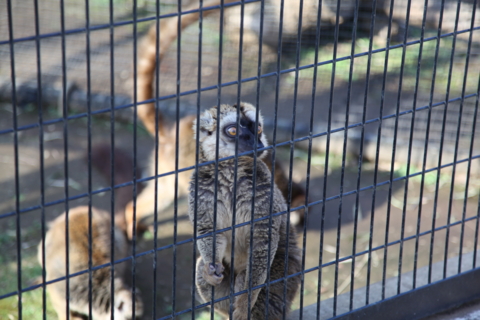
{"x": 371, "y": 113}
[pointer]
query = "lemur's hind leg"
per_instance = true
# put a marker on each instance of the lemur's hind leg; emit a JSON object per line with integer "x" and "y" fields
{"x": 275, "y": 300}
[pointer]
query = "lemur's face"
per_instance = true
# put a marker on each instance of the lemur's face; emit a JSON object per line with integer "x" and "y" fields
{"x": 248, "y": 127}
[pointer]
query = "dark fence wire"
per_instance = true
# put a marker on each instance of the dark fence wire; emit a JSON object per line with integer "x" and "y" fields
{"x": 291, "y": 143}
{"x": 266, "y": 75}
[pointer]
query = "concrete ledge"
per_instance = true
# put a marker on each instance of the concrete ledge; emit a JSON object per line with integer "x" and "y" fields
{"x": 427, "y": 299}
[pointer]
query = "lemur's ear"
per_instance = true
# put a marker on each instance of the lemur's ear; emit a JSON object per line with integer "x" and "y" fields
{"x": 251, "y": 112}
{"x": 207, "y": 125}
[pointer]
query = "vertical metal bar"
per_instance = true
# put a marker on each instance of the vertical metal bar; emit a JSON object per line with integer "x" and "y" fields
{"x": 477, "y": 225}
{"x": 89, "y": 153}
{"x": 112, "y": 157}
{"x": 454, "y": 165}
{"x": 235, "y": 171}
{"x": 309, "y": 161}
{"x": 464, "y": 211}
{"x": 274, "y": 136}
{"x": 215, "y": 195}
{"x": 197, "y": 155}
{"x": 365, "y": 101}
{"x": 412, "y": 126}
{"x": 65, "y": 149}
{"x": 16, "y": 156}
{"x": 177, "y": 137}
{"x": 387, "y": 223}
{"x": 292, "y": 147}
{"x": 427, "y": 135}
{"x": 474, "y": 263}
{"x": 41, "y": 159}
{"x": 255, "y": 160}
{"x": 392, "y": 168}
{"x": 344, "y": 155}
{"x": 475, "y": 246}
{"x": 332, "y": 85}
{"x": 157, "y": 142}
{"x": 325, "y": 174}
{"x": 134, "y": 169}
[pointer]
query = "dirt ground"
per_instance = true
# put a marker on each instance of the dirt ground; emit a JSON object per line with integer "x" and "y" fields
{"x": 385, "y": 217}
{"x": 334, "y": 230}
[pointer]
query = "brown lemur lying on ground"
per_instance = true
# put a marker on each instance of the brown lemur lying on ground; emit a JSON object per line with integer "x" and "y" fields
{"x": 78, "y": 258}
{"x": 167, "y": 133}
{"x": 273, "y": 239}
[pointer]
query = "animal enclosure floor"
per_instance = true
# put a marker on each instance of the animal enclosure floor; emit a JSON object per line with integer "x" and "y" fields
{"x": 174, "y": 292}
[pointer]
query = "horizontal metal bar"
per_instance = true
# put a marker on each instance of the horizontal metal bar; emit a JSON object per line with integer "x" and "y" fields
{"x": 226, "y": 84}
{"x": 173, "y": 14}
{"x": 118, "y": 24}
{"x": 169, "y": 246}
{"x": 332, "y": 262}
{"x": 83, "y": 195}
{"x": 354, "y": 125}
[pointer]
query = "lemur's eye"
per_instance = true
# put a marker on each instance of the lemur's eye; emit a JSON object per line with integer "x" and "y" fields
{"x": 260, "y": 130}
{"x": 231, "y": 131}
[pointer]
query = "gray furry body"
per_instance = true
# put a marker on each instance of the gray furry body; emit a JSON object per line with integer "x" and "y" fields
{"x": 272, "y": 242}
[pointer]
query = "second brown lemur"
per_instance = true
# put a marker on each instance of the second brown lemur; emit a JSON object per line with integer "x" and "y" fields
{"x": 78, "y": 260}
{"x": 272, "y": 252}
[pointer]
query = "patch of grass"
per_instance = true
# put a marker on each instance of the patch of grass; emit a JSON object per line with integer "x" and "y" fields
{"x": 104, "y": 3}
{"x": 430, "y": 178}
{"x": 104, "y": 122}
{"x": 141, "y": 130}
{"x": 319, "y": 159}
{"x": 52, "y": 112}
{"x": 206, "y": 316}
{"x": 32, "y": 306}
{"x": 32, "y": 301}
{"x": 412, "y": 55}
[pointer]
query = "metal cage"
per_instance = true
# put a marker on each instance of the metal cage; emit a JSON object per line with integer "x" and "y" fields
{"x": 371, "y": 107}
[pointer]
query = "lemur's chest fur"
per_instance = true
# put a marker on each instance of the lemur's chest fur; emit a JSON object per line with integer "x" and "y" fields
{"x": 234, "y": 201}
{"x": 233, "y": 191}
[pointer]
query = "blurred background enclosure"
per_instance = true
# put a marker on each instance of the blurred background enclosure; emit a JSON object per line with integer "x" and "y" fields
{"x": 386, "y": 91}
{"x": 440, "y": 64}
